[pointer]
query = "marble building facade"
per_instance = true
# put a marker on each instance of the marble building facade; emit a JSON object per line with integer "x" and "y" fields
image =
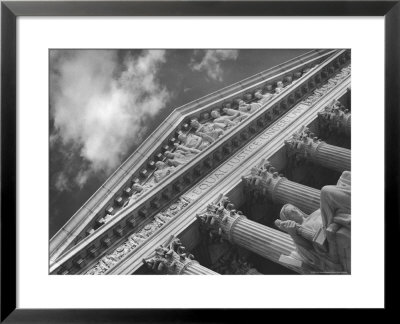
{"x": 252, "y": 179}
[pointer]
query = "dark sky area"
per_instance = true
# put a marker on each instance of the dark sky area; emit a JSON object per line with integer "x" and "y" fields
{"x": 103, "y": 104}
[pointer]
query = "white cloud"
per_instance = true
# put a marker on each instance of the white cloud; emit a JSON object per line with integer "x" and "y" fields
{"x": 61, "y": 182}
{"x": 100, "y": 102}
{"x": 211, "y": 62}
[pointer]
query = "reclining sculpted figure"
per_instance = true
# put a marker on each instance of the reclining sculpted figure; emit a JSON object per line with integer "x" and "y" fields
{"x": 195, "y": 142}
{"x": 227, "y": 119}
{"x": 263, "y": 98}
{"x": 213, "y": 130}
{"x": 323, "y": 237}
{"x": 248, "y": 108}
{"x": 238, "y": 115}
{"x": 180, "y": 156}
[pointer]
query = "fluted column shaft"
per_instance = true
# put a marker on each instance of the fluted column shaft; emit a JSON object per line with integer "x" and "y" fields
{"x": 332, "y": 157}
{"x": 197, "y": 269}
{"x": 303, "y": 197}
{"x": 304, "y": 145}
{"x": 223, "y": 220}
{"x": 264, "y": 241}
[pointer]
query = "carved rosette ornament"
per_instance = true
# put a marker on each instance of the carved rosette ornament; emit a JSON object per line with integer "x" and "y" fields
{"x": 304, "y": 145}
{"x": 264, "y": 182}
{"x": 172, "y": 258}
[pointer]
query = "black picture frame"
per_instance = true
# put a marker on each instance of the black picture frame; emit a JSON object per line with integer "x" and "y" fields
{"x": 9, "y": 13}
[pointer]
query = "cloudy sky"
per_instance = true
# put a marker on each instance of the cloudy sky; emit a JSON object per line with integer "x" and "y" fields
{"x": 104, "y": 103}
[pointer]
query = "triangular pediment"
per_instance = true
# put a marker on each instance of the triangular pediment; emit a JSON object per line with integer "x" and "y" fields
{"x": 137, "y": 189}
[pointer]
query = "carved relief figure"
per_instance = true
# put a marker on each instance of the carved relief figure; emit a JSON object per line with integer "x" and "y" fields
{"x": 138, "y": 190}
{"x": 196, "y": 142}
{"x": 181, "y": 156}
{"x": 213, "y": 130}
{"x": 227, "y": 119}
{"x": 279, "y": 87}
{"x": 263, "y": 98}
{"x": 238, "y": 116}
{"x": 248, "y": 108}
{"x": 162, "y": 171}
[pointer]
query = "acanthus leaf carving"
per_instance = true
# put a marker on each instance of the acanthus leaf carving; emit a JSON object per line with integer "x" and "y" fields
{"x": 170, "y": 258}
{"x": 219, "y": 218}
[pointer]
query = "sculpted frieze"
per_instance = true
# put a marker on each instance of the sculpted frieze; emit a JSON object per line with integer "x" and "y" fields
{"x": 332, "y": 82}
{"x": 197, "y": 138}
{"x": 135, "y": 239}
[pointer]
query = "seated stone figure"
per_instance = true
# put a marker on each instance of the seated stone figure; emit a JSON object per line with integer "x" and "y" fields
{"x": 279, "y": 87}
{"x": 248, "y": 108}
{"x": 213, "y": 130}
{"x": 195, "y": 142}
{"x": 227, "y": 119}
{"x": 162, "y": 171}
{"x": 332, "y": 221}
{"x": 302, "y": 228}
{"x": 336, "y": 202}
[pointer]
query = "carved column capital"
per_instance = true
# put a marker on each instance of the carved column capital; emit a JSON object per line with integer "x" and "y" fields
{"x": 302, "y": 144}
{"x": 335, "y": 118}
{"x": 220, "y": 218}
{"x": 170, "y": 258}
{"x": 265, "y": 181}
{"x": 262, "y": 180}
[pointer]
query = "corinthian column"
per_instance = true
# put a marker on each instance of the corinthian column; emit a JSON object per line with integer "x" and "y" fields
{"x": 223, "y": 220}
{"x": 265, "y": 181}
{"x": 335, "y": 118}
{"x": 172, "y": 259}
{"x": 303, "y": 145}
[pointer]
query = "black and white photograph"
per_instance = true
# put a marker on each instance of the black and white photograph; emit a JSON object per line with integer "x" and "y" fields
{"x": 146, "y": 140}
{"x": 200, "y": 161}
